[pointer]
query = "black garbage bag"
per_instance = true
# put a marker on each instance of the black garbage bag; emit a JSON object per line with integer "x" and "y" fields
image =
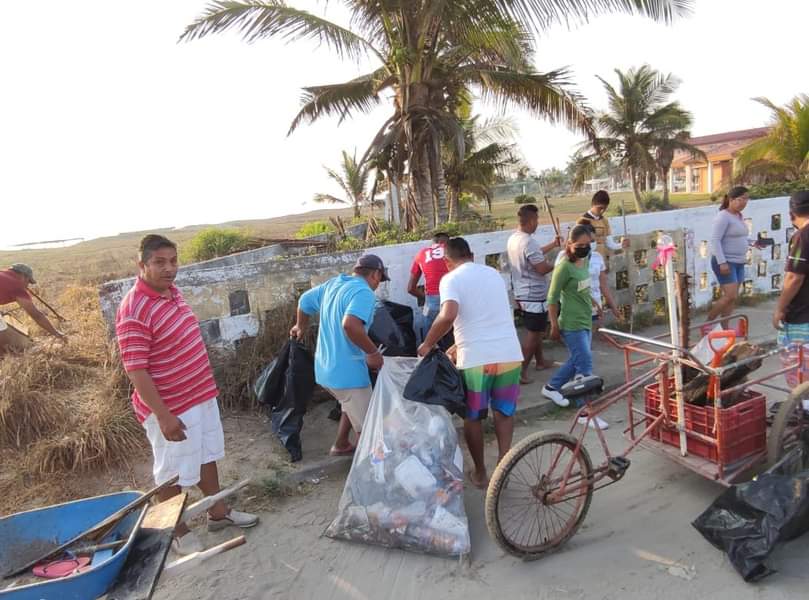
{"x": 436, "y": 381}
{"x": 285, "y": 387}
{"x": 749, "y": 520}
{"x": 393, "y": 328}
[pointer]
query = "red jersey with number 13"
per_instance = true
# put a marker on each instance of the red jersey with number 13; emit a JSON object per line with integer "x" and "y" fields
{"x": 430, "y": 262}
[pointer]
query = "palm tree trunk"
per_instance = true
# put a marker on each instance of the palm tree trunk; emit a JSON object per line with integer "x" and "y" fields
{"x": 664, "y": 181}
{"x": 635, "y": 189}
{"x": 438, "y": 187}
{"x": 453, "y": 195}
{"x": 421, "y": 187}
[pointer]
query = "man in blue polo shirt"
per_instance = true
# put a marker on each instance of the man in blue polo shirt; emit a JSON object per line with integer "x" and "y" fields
{"x": 344, "y": 350}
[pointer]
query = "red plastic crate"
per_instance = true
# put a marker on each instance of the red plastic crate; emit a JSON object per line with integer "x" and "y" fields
{"x": 744, "y": 426}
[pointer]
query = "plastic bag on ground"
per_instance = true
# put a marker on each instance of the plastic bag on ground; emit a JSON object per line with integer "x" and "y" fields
{"x": 405, "y": 487}
{"x": 436, "y": 381}
{"x": 749, "y": 520}
{"x": 285, "y": 387}
{"x": 702, "y": 351}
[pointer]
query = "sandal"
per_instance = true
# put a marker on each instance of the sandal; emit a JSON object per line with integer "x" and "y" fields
{"x": 346, "y": 452}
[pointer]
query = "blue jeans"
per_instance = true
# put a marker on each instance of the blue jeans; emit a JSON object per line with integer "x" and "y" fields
{"x": 580, "y": 361}
{"x": 736, "y": 274}
{"x": 432, "y": 306}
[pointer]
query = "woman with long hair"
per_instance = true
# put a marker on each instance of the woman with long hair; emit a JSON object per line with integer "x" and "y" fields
{"x": 730, "y": 240}
{"x": 570, "y": 310}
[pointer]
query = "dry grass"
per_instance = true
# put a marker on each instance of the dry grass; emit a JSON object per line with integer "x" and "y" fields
{"x": 236, "y": 373}
{"x": 64, "y": 409}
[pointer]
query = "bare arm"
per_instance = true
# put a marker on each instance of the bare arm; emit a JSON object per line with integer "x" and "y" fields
{"x": 553, "y": 314}
{"x": 792, "y": 285}
{"x": 301, "y": 325}
{"x": 28, "y": 306}
{"x": 441, "y": 326}
{"x": 171, "y": 426}
{"x": 413, "y": 286}
{"x": 543, "y": 268}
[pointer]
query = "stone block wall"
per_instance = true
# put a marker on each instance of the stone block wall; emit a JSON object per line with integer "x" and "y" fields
{"x": 231, "y": 296}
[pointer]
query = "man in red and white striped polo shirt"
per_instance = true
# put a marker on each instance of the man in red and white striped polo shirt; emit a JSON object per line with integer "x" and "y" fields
{"x": 175, "y": 392}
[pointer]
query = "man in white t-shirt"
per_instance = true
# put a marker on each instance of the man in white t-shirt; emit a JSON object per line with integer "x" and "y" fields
{"x": 475, "y": 300}
{"x": 529, "y": 280}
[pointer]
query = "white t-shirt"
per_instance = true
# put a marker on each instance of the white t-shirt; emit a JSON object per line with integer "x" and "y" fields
{"x": 597, "y": 266}
{"x": 484, "y": 328}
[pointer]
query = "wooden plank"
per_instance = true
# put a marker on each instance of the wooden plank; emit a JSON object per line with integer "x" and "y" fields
{"x": 138, "y": 578}
{"x": 207, "y": 502}
{"x": 190, "y": 562}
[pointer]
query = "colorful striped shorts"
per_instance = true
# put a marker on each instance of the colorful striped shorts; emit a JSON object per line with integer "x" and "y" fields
{"x": 496, "y": 385}
{"x": 790, "y": 338}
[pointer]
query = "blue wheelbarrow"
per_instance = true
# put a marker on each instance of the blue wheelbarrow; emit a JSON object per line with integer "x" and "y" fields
{"x": 124, "y": 559}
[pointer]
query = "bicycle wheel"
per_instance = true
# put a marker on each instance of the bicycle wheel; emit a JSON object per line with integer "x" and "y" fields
{"x": 786, "y": 431}
{"x": 518, "y": 514}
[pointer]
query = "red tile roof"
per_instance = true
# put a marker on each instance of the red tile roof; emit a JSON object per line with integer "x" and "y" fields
{"x": 720, "y": 144}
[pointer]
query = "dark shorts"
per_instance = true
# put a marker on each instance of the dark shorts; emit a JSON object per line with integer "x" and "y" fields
{"x": 534, "y": 321}
{"x": 736, "y": 274}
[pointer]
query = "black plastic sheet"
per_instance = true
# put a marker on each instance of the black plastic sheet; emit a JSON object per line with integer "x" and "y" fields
{"x": 392, "y": 327}
{"x": 436, "y": 381}
{"x": 285, "y": 387}
{"x": 749, "y": 520}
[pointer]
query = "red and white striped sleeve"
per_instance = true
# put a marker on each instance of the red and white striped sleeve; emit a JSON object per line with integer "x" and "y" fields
{"x": 135, "y": 342}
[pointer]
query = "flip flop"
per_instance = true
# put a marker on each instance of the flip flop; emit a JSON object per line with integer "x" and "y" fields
{"x": 347, "y": 452}
{"x": 481, "y": 486}
{"x": 57, "y": 569}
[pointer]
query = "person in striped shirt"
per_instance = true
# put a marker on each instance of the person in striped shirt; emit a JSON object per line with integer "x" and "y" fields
{"x": 175, "y": 393}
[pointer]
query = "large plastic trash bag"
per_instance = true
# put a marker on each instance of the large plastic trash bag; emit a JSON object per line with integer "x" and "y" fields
{"x": 392, "y": 327}
{"x": 436, "y": 381}
{"x": 405, "y": 487}
{"x": 285, "y": 387}
{"x": 749, "y": 520}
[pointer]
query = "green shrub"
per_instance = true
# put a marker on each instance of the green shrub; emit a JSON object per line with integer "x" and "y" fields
{"x": 525, "y": 199}
{"x": 768, "y": 190}
{"x": 313, "y": 228}
{"x": 654, "y": 202}
{"x": 213, "y": 243}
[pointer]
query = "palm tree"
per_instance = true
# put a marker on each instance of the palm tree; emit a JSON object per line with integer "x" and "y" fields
{"x": 784, "y": 152}
{"x": 490, "y": 152}
{"x": 353, "y": 182}
{"x": 640, "y": 121}
{"x": 430, "y": 54}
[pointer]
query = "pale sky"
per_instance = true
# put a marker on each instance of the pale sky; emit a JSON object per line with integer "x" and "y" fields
{"x": 108, "y": 125}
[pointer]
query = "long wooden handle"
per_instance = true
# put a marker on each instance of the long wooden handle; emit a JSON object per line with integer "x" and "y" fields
{"x": 91, "y": 533}
{"x": 186, "y": 563}
{"x": 554, "y": 222}
{"x": 51, "y": 308}
{"x": 199, "y": 507}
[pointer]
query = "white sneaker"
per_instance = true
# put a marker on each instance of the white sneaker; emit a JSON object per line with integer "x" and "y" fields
{"x": 594, "y": 423}
{"x": 557, "y": 398}
{"x": 234, "y": 518}
{"x": 187, "y": 544}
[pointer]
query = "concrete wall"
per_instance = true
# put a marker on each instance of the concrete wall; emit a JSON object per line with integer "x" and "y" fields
{"x": 231, "y": 295}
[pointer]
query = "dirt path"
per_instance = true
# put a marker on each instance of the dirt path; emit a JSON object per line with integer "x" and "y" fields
{"x": 636, "y": 542}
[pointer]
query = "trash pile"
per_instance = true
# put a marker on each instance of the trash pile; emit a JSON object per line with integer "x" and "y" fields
{"x": 285, "y": 387}
{"x": 405, "y": 488}
{"x": 748, "y": 521}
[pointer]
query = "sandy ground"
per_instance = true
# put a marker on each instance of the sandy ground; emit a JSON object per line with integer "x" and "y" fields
{"x": 636, "y": 542}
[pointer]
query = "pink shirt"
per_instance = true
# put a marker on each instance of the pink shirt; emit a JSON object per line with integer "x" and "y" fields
{"x": 162, "y": 336}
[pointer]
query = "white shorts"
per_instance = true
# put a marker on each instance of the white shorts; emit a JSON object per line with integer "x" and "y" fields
{"x": 204, "y": 443}
{"x": 354, "y": 403}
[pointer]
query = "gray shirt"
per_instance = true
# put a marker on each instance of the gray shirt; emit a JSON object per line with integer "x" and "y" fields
{"x": 729, "y": 239}
{"x": 523, "y": 253}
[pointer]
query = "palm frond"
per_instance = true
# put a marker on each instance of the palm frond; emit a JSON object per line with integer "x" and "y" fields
{"x": 259, "y": 20}
{"x": 360, "y": 94}
{"x": 547, "y": 95}
{"x": 328, "y": 199}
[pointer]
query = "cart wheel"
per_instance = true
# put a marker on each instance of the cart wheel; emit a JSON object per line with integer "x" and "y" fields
{"x": 518, "y": 516}
{"x": 788, "y": 426}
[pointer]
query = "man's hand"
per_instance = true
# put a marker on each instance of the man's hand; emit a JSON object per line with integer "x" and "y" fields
{"x": 375, "y": 360}
{"x": 296, "y": 332}
{"x": 617, "y": 314}
{"x": 424, "y": 350}
{"x": 557, "y": 241}
{"x": 452, "y": 353}
{"x": 778, "y": 319}
{"x": 172, "y": 427}
{"x": 724, "y": 269}
{"x": 555, "y": 335}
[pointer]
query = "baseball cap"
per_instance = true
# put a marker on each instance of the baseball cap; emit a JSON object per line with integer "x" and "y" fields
{"x": 372, "y": 261}
{"x": 24, "y": 269}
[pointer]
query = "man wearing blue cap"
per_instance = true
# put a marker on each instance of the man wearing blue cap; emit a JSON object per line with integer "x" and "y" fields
{"x": 344, "y": 351}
